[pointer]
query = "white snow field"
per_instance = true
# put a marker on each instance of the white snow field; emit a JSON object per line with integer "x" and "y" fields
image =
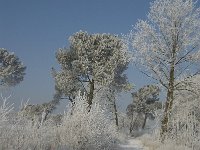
{"x": 133, "y": 144}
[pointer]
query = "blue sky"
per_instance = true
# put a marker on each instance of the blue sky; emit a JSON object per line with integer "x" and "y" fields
{"x": 35, "y": 29}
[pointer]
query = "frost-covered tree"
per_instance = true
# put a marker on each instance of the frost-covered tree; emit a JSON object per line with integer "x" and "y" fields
{"x": 110, "y": 93}
{"x": 108, "y": 96}
{"x": 91, "y": 61}
{"x": 12, "y": 70}
{"x": 145, "y": 102}
{"x": 67, "y": 85}
{"x": 167, "y": 44}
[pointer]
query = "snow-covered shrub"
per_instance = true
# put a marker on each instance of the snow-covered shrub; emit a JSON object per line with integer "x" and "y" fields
{"x": 184, "y": 125}
{"x": 87, "y": 130}
{"x": 21, "y": 133}
{"x": 27, "y": 137}
{"x": 77, "y": 129}
{"x": 5, "y": 108}
{"x": 18, "y": 132}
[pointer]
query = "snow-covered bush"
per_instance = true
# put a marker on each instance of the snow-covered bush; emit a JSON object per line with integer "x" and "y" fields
{"x": 18, "y": 132}
{"x": 184, "y": 125}
{"x": 21, "y": 133}
{"x": 87, "y": 130}
{"x": 77, "y": 129}
{"x": 25, "y": 137}
{"x": 5, "y": 108}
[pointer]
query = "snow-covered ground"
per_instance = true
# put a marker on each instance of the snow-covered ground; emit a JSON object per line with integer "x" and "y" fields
{"x": 133, "y": 144}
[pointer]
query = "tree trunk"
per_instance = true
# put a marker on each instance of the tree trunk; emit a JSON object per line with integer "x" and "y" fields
{"x": 131, "y": 124}
{"x": 167, "y": 112}
{"x": 145, "y": 120}
{"x": 170, "y": 97}
{"x": 73, "y": 104}
{"x": 116, "y": 114}
{"x": 91, "y": 94}
{"x": 112, "y": 100}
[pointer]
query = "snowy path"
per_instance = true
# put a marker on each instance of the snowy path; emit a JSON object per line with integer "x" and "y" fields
{"x": 133, "y": 144}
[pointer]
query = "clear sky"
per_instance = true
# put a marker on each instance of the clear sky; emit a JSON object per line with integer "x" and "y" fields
{"x": 35, "y": 29}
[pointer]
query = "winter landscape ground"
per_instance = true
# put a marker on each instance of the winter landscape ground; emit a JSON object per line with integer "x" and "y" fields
{"x": 132, "y": 144}
{"x": 163, "y": 115}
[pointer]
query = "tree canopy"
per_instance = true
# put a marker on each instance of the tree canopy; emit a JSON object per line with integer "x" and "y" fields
{"x": 12, "y": 70}
{"x": 91, "y": 61}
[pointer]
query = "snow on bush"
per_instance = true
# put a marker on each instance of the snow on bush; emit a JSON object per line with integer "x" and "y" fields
{"x": 5, "y": 108}
{"x": 17, "y": 132}
{"x": 88, "y": 130}
{"x": 79, "y": 129}
{"x": 184, "y": 126}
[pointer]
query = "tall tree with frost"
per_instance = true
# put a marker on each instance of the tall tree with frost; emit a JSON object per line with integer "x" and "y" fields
{"x": 91, "y": 61}
{"x": 12, "y": 70}
{"x": 168, "y": 46}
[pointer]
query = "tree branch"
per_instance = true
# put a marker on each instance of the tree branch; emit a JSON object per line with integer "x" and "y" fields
{"x": 184, "y": 56}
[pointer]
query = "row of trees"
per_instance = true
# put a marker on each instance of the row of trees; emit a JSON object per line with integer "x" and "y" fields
{"x": 166, "y": 44}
